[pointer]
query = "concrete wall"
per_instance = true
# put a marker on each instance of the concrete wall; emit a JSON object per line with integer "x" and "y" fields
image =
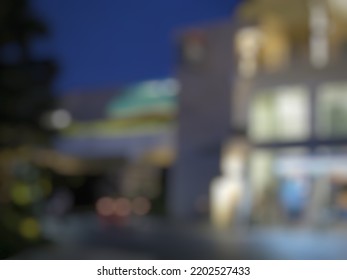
{"x": 204, "y": 121}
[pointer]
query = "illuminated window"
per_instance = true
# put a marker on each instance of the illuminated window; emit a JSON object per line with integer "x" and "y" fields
{"x": 280, "y": 114}
{"x": 332, "y": 110}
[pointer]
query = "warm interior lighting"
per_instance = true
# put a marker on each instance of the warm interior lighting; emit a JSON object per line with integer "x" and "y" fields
{"x": 226, "y": 191}
{"x": 319, "y": 40}
{"x": 247, "y": 48}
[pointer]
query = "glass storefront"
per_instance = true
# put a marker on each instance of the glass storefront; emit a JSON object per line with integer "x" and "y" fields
{"x": 305, "y": 184}
{"x": 279, "y": 192}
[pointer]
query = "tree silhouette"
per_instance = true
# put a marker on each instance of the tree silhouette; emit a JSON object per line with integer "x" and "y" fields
{"x": 25, "y": 95}
{"x": 25, "y": 83}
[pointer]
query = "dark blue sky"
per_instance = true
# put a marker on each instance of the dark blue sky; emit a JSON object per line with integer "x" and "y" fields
{"x": 108, "y": 43}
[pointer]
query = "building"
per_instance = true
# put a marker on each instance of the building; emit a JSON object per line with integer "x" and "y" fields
{"x": 128, "y": 132}
{"x": 273, "y": 77}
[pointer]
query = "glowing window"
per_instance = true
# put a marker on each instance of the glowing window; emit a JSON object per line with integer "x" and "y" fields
{"x": 280, "y": 114}
{"x": 332, "y": 110}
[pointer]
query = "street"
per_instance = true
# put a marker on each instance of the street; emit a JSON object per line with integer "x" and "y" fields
{"x": 84, "y": 236}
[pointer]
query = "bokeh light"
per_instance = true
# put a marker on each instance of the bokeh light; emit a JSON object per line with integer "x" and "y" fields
{"x": 29, "y": 228}
{"x": 122, "y": 207}
{"x": 21, "y": 194}
{"x": 105, "y": 206}
{"x": 141, "y": 206}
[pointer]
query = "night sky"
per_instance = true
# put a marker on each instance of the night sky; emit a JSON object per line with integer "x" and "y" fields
{"x": 109, "y": 43}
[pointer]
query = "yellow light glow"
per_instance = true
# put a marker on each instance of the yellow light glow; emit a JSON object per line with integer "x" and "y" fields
{"x": 225, "y": 196}
{"x": 29, "y": 228}
{"x": 21, "y": 194}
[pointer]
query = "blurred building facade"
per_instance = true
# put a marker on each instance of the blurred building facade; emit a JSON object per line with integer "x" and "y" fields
{"x": 273, "y": 79}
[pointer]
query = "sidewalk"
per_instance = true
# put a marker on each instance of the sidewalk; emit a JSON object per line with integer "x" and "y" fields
{"x": 154, "y": 238}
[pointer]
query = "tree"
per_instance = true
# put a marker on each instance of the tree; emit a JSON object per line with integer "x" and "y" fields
{"x": 25, "y": 83}
{"x": 25, "y": 95}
